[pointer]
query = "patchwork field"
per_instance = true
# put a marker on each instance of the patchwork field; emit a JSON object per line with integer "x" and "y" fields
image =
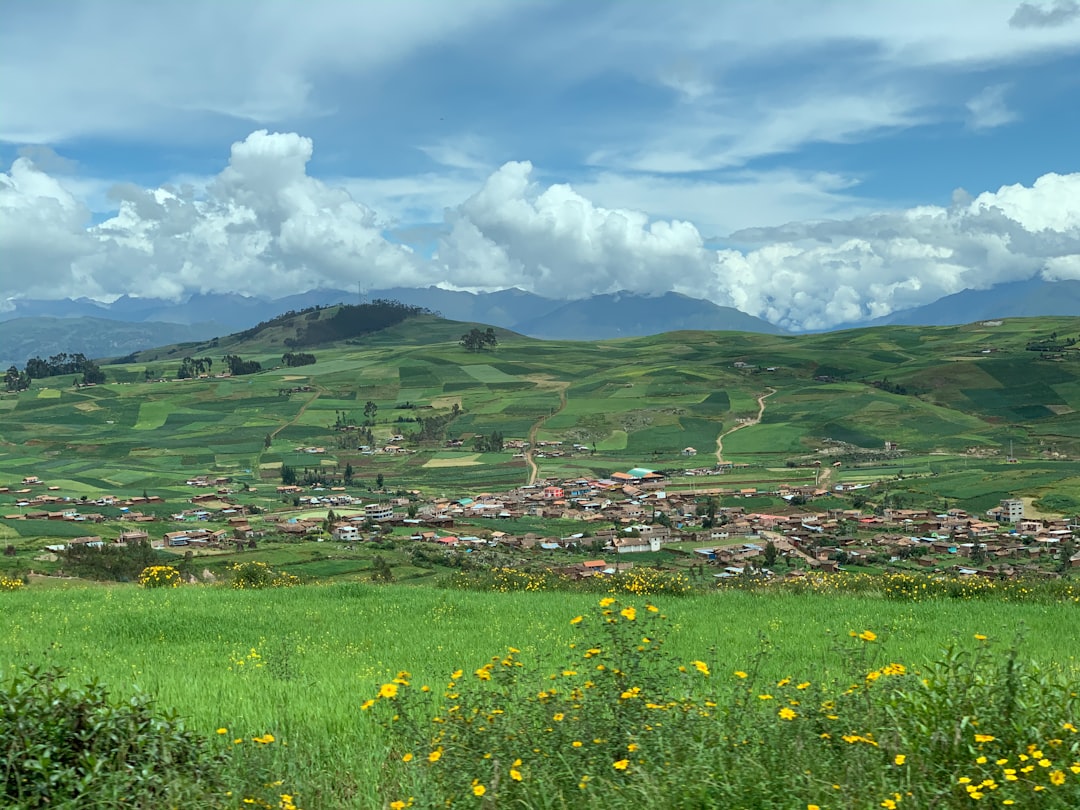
{"x": 966, "y": 394}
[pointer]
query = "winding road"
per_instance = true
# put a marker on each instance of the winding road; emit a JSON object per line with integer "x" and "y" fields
{"x": 761, "y": 412}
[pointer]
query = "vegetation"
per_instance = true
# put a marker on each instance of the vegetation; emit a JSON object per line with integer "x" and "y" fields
{"x": 294, "y": 359}
{"x": 293, "y": 667}
{"x": 72, "y": 746}
{"x": 474, "y": 340}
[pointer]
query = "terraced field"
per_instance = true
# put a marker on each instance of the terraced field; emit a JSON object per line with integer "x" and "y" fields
{"x": 964, "y": 393}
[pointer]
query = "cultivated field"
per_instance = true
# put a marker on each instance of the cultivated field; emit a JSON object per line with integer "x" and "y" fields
{"x": 953, "y": 399}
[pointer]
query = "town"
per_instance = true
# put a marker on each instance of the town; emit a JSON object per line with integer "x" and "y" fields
{"x": 578, "y": 528}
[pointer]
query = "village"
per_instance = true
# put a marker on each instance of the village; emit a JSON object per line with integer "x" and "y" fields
{"x": 615, "y": 519}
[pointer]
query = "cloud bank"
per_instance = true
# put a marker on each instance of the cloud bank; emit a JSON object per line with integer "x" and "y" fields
{"x": 264, "y": 226}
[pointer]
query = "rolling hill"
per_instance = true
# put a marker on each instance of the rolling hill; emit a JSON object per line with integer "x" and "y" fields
{"x": 944, "y": 396}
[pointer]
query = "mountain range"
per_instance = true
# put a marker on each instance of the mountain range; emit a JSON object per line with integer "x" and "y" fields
{"x": 42, "y": 328}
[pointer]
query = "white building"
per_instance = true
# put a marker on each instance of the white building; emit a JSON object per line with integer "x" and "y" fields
{"x": 1012, "y": 510}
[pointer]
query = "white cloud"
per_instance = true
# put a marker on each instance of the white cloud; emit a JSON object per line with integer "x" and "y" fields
{"x": 554, "y": 240}
{"x": 131, "y": 69}
{"x": 988, "y": 108}
{"x": 805, "y": 275}
{"x": 1052, "y": 15}
{"x": 263, "y": 226}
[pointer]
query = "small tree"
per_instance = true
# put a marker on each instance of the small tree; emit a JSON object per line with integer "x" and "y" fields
{"x": 381, "y": 571}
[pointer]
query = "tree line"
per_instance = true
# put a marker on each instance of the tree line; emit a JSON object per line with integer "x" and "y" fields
{"x": 56, "y": 365}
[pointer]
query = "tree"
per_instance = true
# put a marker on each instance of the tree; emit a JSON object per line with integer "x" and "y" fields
{"x": 288, "y": 475}
{"x": 370, "y": 410}
{"x": 379, "y": 481}
{"x": 380, "y": 570}
{"x": 348, "y": 472}
{"x": 269, "y": 440}
{"x": 474, "y": 340}
{"x": 15, "y": 380}
{"x": 771, "y": 554}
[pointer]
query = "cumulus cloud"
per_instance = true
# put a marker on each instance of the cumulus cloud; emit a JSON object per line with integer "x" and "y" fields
{"x": 807, "y": 275}
{"x": 262, "y": 226}
{"x": 1029, "y": 15}
{"x": 512, "y": 233}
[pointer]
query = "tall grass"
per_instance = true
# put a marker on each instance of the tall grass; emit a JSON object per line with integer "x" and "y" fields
{"x": 298, "y": 663}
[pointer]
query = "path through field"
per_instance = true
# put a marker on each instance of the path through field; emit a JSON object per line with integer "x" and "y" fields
{"x": 274, "y": 433}
{"x": 761, "y": 412}
{"x": 534, "y": 470}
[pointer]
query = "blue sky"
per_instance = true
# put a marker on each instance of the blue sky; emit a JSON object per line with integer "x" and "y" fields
{"x": 812, "y": 163}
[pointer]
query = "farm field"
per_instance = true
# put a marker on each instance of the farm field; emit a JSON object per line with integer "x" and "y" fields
{"x": 298, "y": 663}
{"x": 954, "y": 400}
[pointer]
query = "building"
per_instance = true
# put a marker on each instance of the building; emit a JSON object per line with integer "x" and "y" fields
{"x": 1012, "y": 510}
{"x": 379, "y": 511}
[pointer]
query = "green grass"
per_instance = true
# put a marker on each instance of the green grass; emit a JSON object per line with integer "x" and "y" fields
{"x": 320, "y": 651}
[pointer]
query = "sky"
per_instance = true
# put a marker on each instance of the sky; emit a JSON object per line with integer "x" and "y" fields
{"x": 810, "y": 162}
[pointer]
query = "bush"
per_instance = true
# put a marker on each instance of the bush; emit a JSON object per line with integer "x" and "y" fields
{"x": 622, "y": 723}
{"x": 258, "y": 574}
{"x": 66, "y": 746}
{"x": 7, "y": 584}
{"x": 160, "y": 576}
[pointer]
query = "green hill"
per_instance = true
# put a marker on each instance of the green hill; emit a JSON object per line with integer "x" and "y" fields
{"x": 962, "y": 392}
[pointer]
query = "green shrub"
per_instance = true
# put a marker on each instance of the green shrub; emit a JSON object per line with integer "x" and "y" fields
{"x": 622, "y": 723}
{"x": 257, "y": 574}
{"x": 72, "y": 746}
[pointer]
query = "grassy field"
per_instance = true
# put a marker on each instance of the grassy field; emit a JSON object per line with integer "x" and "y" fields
{"x": 299, "y": 662}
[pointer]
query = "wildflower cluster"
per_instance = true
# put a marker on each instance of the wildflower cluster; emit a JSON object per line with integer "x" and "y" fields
{"x": 160, "y": 576}
{"x": 253, "y": 757}
{"x": 636, "y": 581}
{"x": 10, "y": 584}
{"x": 915, "y": 587}
{"x": 257, "y": 574}
{"x": 1050, "y": 771}
{"x": 621, "y": 716}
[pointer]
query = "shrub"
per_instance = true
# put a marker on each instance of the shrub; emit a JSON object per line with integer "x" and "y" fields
{"x": 160, "y": 576}
{"x": 256, "y": 574}
{"x": 7, "y": 584}
{"x": 71, "y": 746}
{"x": 623, "y": 723}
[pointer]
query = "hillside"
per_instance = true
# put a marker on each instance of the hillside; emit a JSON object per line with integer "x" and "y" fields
{"x": 945, "y": 396}
{"x": 42, "y": 325}
{"x": 43, "y": 336}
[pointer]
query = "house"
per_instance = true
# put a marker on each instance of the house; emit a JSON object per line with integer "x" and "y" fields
{"x": 689, "y": 451}
{"x": 90, "y": 542}
{"x": 173, "y": 539}
{"x": 379, "y": 511}
{"x": 346, "y": 532}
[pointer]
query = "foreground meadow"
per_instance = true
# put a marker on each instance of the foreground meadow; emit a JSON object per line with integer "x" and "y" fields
{"x": 337, "y": 696}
